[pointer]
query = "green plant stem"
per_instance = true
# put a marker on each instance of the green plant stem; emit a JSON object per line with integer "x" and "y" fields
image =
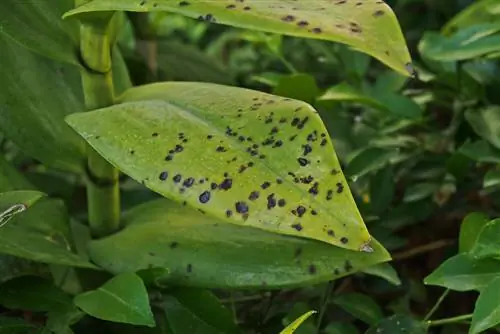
{"x": 436, "y": 306}
{"x": 451, "y": 320}
{"x": 103, "y": 194}
{"x": 326, "y": 298}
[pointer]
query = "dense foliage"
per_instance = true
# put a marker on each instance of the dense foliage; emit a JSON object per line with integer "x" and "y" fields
{"x": 244, "y": 166}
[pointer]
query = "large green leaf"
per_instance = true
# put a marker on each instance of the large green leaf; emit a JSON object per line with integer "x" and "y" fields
{"x": 122, "y": 299}
{"x": 38, "y": 26}
{"x": 487, "y": 310}
{"x": 369, "y": 26}
{"x": 486, "y": 123}
{"x": 196, "y": 311}
{"x": 253, "y": 159}
{"x": 39, "y": 233}
{"x": 488, "y": 241}
{"x": 463, "y": 273}
{"x": 201, "y": 251}
{"x": 36, "y": 95}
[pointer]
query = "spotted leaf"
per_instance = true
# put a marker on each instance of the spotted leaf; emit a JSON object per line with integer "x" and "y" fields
{"x": 200, "y": 251}
{"x": 369, "y": 26}
{"x": 247, "y": 157}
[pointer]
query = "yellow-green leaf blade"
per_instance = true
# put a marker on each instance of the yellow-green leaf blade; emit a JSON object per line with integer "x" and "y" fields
{"x": 369, "y": 26}
{"x": 290, "y": 329}
{"x": 246, "y": 157}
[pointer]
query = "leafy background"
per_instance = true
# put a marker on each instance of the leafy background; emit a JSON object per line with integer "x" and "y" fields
{"x": 421, "y": 156}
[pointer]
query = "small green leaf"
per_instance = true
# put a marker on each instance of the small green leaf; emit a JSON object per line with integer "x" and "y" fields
{"x": 9, "y": 325}
{"x": 398, "y": 323}
{"x": 290, "y": 329}
{"x": 162, "y": 234}
{"x": 40, "y": 233}
{"x": 268, "y": 162}
{"x": 59, "y": 321}
{"x": 38, "y": 26}
{"x": 463, "y": 273}
{"x": 297, "y": 86}
{"x": 385, "y": 271}
{"x": 487, "y": 310}
{"x": 11, "y": 179}
{"x": 382, "y": 189}
{"x": 486, "y": 123}
{"x": 371, "y": 28}
{"x": 360, "y": 306}
{"x": 420, "y": 191}
{"x": 183, "y": 62}
{"x": 122, "y": 299}
{"x": 38, "y": 94}
{"x": 481, "y": 151}
{"x": 35, "y": 294}
{"x": 196, "y": 311}
{"x": 492, "y": 179}
{"x": 472, "y": 225}
{"x": 488, "y": 241}
{"x": 369, "y": 160}
{"x": 344, "y": 92}
{"x": 477, "y": 12}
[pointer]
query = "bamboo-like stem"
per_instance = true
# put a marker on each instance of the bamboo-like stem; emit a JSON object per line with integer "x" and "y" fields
{"x": 446, "y": 321}
{"x": 103, "y": 195}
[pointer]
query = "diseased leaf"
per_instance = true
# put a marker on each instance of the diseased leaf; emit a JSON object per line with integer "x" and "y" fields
{"x": 38, "y": 94}
{"x": 200, "y": 251}
{"x": 290, "y": 329}
{"x": 487, "y": 309}
{"x": 360, "y": 306}
{"x": 488, "y": 241}
{"x": 40, "y": 233}
{"x": 253, "y": 159}
{"x": 122, "y": 299}
{"x": 472, "y": 225}
{"x": 370, "y": 27}
{"x": 38, "y": 26}
{"x": 463, "y": 273}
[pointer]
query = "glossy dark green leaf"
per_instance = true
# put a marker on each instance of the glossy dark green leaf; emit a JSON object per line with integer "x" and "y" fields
{"x": 201, "y": 251}
{"x": 290, "y": 329}
{"x": 11, "y": 325}
{"x": 487, "y": 244}
{"x": 468, "y": 43}
{"x": 196, "y": 311}
{"x": 261, "y": 160}
{"x": 481, "y": 151}
{"x": 35, "y": 294}
{"x": 297, "y": 86}
{"x": 477, "y": 12}
{"x": 382, "y": 188}
{"x": 122, "y": 299}
{"x": 464, "y": 273}
{"x": 40, "y": 232}
{"x": 39, "y": 93}
{"x": 38, "y": 26}
{"x": 398, "y": 323}
{"x": 471, "y": 226}
{"x": 371, "y": 28}
{"x": 487, "y": 309}
{"x": 360, "y": 306}
{"x": 491, "y": 179}
{"x": 486, "y": 123}
{"x": 369, "y": 160}
{"x": 183, "y": 62}
{"x": 385, "y": 271}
